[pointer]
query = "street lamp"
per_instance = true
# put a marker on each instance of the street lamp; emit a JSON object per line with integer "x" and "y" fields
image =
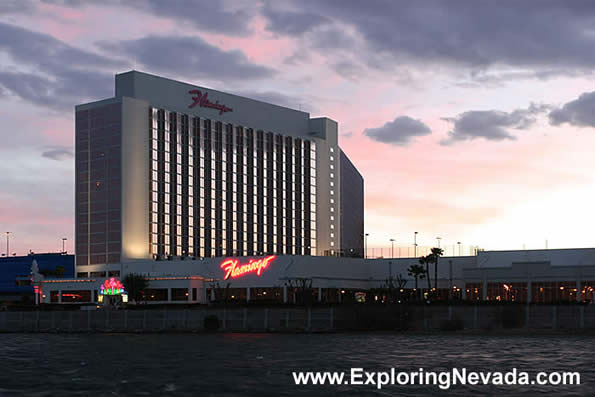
{"x": 63, "y": 241}
{"x": 415, "y": 244}
{"x": 459, "y": 243}
{"x": 366, "y": 245}
{"x": 7, "y": 244}
{"x": 392, "y": 247}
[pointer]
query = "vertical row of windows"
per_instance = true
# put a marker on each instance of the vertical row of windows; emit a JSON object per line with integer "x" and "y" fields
{"x": 332, "y": 199}
{"x": 224, "y": 190}
{"x": 98, "y": 185}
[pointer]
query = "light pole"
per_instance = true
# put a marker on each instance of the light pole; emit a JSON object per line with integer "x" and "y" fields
{"x": 63, "y": 240}
{"x": 7, "y": 244}
{"x": 366, "y": 245}
{"x": 438, "y": 238}
{"x": 392, "y": 248}
{"x": 415, "y": 244}
{"x": 459, "y": 243}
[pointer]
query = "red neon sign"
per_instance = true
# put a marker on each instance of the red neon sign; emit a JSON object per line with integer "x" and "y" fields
{"x": 202, "y": 100}
{"x": 233, "y": 268}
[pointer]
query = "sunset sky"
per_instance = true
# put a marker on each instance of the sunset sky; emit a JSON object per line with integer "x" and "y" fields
{"x": 469, "y": 120}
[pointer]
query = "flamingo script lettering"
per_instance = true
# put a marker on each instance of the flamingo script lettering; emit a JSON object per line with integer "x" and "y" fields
{"x": 233, "y": 268}
{"x": 202, "y": 100}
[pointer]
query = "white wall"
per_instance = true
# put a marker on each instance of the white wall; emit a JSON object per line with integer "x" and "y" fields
{"x": 135, "y": 179}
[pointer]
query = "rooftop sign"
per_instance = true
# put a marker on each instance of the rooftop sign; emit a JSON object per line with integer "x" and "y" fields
{"x": 202, "y": 100}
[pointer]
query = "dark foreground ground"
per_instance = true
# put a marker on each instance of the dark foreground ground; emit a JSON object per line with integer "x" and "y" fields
{"x": 262, "y": 364}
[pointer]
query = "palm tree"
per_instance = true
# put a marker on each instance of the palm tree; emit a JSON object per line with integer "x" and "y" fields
{"x": 135, "y": 284}
{"x": 418, "y": 272}
{"x": 425, "y": 260}
{"x": 433, "y": 258}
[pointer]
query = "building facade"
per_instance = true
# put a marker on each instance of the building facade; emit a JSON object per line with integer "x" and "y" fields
{"x": 527, "y": 276}
{"x": 167, "y": 169}
{"x": 15, "y": 273}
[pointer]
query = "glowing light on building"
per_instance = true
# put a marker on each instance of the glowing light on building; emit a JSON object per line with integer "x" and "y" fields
{"x": 112, "y": 286}
{"x": 233, "y": 268}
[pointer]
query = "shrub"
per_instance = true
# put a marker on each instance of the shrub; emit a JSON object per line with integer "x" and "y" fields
{"x": 211, "y": 323}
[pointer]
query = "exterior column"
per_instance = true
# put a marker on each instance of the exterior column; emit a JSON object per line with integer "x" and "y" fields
{"x": 189, "y": 294}
{"x": 285, "y": 294}
{"x": 529, "y": 291}
{"x": 169, "y": 294}
{"x": 578, "y": 290}
{"x": 248, "y": 294}
{"x": 319, "y": 294}
{"x": 213, "y": 294}
{"x": 60, "y": 296}
{"x": 93, "y": 297}
{"x": 484, "y": 290}
{"x": 203, "y": 298}
{"x": 464, "y": 292}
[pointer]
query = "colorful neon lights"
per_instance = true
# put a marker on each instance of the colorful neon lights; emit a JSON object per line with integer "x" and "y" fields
{"x": 233, "y": 268}
{"x": 112, "y": 286}
{"x": 202, "y": 100}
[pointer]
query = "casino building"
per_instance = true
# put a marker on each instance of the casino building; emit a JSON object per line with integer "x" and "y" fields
{"x": 169, "y": 170}
{"x": 215, "y": 197}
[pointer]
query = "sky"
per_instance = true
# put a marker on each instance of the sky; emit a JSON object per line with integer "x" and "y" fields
{"x": 472, "y": 121}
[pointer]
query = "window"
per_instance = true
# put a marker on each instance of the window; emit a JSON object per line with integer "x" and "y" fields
{"x": 76, "y": 296}
{"x": 156, "y": 294}
{"x": 179, "y": 294}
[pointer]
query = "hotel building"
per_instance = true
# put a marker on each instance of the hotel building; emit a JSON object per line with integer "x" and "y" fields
{"x": 211, "y": 195}
{"x": 168, "y": 170}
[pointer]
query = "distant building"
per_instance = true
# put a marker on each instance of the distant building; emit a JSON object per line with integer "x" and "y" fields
{"x": 15, "y": 273}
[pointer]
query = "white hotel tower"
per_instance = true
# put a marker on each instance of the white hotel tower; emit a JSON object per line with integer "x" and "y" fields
{"x": 169, "y": 169}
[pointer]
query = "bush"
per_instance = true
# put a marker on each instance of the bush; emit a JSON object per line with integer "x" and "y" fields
{"x": 211, "y": 323}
